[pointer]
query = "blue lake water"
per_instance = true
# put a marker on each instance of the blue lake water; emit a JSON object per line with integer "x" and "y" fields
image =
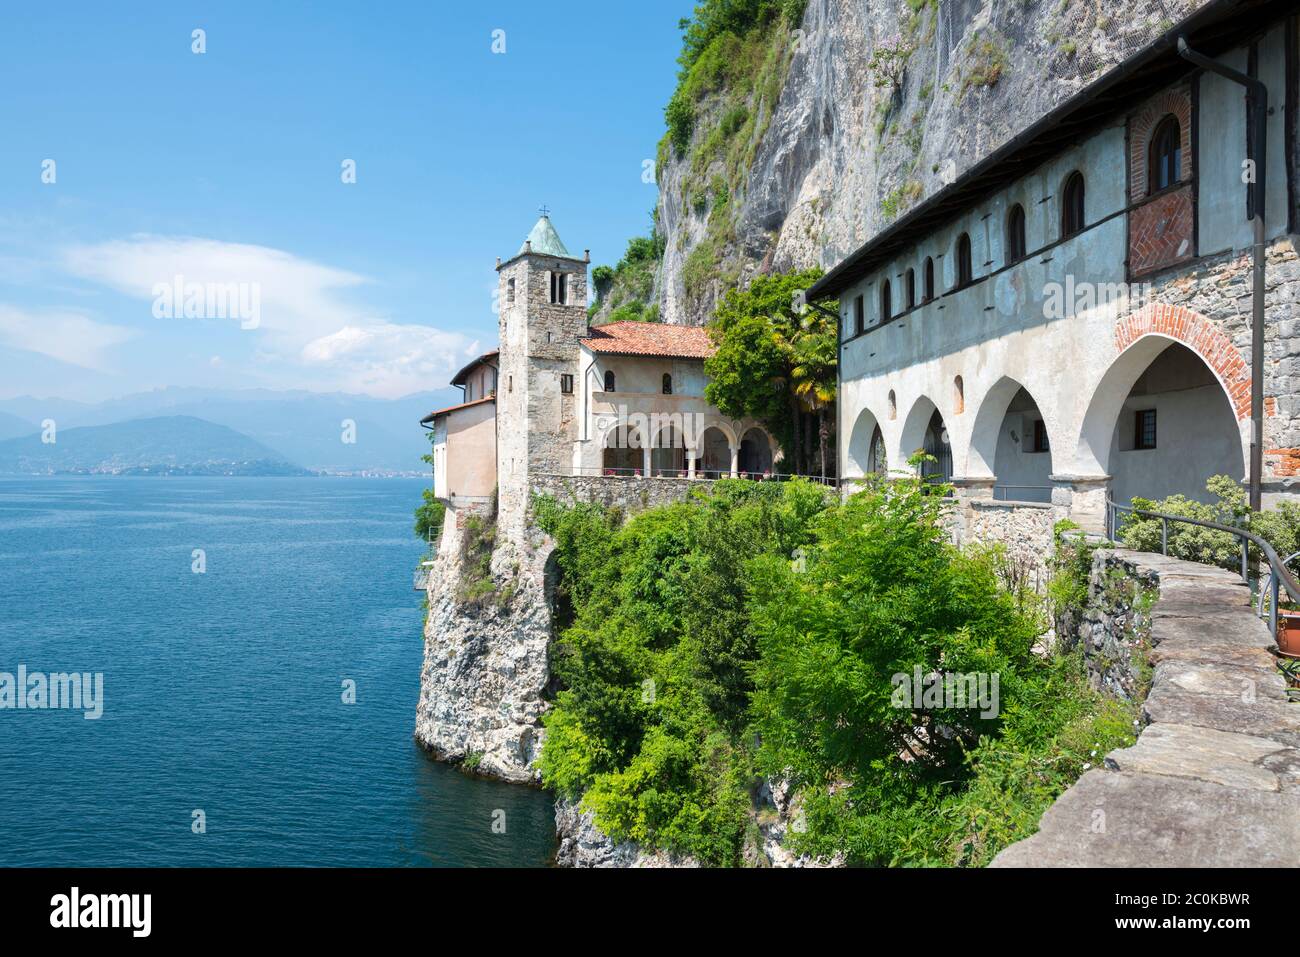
{"x": 223, "y": 691}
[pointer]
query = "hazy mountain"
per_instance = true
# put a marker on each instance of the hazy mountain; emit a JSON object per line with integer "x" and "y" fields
{"x": 12, "y": 426}
{"x": 175, "y": 445}
{"x": 305, "y": 427}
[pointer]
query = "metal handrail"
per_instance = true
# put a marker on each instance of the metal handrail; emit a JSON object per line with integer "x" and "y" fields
{"x": 1277, "y": 568}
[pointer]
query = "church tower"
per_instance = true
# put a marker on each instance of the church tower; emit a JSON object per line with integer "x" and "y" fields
{"x": 542, "y": 315}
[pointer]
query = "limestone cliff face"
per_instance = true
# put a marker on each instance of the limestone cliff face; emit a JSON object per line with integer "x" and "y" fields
{"x": 485, "y": 659}
{"x": 882, "y": 104}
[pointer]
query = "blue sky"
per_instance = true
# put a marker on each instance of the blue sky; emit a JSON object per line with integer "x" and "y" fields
{"x": 225, "y": 167}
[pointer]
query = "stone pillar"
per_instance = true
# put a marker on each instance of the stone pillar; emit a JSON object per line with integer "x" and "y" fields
{"x": 1084, "y": 496}
{"x": 645, "y": 461}
{"x": 690, "y": 464}
{"x": 735, "y": 461}
{"x": 968, "y": 489}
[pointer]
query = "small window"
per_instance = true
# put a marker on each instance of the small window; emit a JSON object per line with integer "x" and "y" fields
{"x": 910, "y": 288}
{"x": 1072, "y": 208}
{"x": 886, "y": 301}
{"x": 964, "y": 272}
{"x": 668, "y": 384}
{"x": 566, "y": 384}
{"x": 1016, "y": 234}
{"x": 559, "y": 288}
{"x": 1165, "y": 166}
{"x": 1144, "y": 429}
{"x": 510, "y": 383}
{"x": 859, "y": 316}
{"x": 609, "y": 381}
{"x": 1040, "y": 443}
{"x": 929, "y": 278}
{"x": 510, "y": 290}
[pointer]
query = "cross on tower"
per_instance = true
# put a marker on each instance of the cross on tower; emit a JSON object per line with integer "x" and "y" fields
{"x": 545, "y": 210}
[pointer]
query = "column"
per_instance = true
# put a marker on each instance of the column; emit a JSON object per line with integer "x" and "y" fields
{"x": 690, "y": 464}
{"x": 735, "y": 461}
{"x": 1084, "y": 497}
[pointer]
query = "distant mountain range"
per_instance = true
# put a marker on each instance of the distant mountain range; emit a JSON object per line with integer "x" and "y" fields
{"x": 298, "y": 430}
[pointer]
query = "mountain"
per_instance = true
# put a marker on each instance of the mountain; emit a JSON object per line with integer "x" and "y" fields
{"x": 12, "y": 426}
{"x": 304, "y": 427}
{"x": 174, "y": 445}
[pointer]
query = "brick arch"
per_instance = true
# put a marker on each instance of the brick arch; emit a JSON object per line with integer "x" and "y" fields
{"x": 1142, "y": 124}
{"x": 1199, "y": 334}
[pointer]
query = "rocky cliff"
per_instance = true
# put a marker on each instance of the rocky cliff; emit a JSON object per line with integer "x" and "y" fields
{"x": 830, "y": 130}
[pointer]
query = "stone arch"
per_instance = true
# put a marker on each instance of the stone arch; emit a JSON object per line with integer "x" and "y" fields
{"x": 1139, "y": 340}
{"x": 756, "y": 451}
{"x": 865, "y": 430}
{"x": 622, "y": 449}
{"x": 912, "y": 437}
{"x": 668, "y": 451}
{"x": 714, "y": 456}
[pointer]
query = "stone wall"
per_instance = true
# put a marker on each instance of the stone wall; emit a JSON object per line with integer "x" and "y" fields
{"x": 1115, "y": 626}
{"x": 628, "y": 494}
{"x": 1024, "y": 528}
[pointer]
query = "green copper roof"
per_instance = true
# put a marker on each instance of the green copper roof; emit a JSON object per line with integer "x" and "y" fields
{"x": 545, "y": 240}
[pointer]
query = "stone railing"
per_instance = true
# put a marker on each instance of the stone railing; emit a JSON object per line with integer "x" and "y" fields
{"x": 1214, "y": 778}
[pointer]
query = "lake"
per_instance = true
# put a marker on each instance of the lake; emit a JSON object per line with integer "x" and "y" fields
{"x": 223, "y": 692}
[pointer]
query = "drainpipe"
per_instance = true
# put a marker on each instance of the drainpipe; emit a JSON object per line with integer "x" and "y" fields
{"x": 1257, "y": 130}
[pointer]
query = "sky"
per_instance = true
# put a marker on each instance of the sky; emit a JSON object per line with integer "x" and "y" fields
{"x": 132, "y": 166}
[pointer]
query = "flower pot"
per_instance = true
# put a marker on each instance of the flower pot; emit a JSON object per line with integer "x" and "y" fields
{"x": 1288, "y": 633}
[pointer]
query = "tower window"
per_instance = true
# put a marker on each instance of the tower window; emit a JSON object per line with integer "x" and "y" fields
{"x": 609, "y": 381}
{"x": 510, "y": 291}
{"x": 1144, "y": 429}
{"x": 1072, "y": 205}
{"x": 566, "y": 384}
{"x": 859, "y": 316}
{"x": 886, "y": 302}
{"x": 559, "y": 288}
{"x": 911, "y": 288}
{"x": 668, "y": 384}
{"x": 1016, "y": 234}
{"x": 929, "y": 278}
{"x": 1165, "y": 167}
{"x": 964, "y": 272}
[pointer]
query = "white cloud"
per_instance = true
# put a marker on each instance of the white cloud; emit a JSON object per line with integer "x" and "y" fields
{"x": 65, "y": 335}
{"x": 300, "y": 299}
{"x": 310, "y": 334}
{"x": 386, "y": 359}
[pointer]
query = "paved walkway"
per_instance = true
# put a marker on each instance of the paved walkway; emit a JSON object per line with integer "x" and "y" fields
{"x": 1214, "y": 779}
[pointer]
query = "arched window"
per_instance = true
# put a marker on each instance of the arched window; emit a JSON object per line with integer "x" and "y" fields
{"x": 893, "y": 405}
{"x": 1165, "y": 165}
{"x": 609, "y": 381}
{"x": 668, "y": 384}
{"x": 929, "y": 278}
{"x": 964, "y": 272}
{"x": 1016, "y": 234}
{"x": 911, "y": 288}
{"x": 1072, "y": 205}
{"x": 886, "y": 302}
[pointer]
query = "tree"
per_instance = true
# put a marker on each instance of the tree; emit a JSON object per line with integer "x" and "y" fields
{"x": 815, "y": 373}
{"x": 759, "y": 343}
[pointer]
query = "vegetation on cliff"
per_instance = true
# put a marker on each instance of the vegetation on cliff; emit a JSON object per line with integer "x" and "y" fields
{"x": 778, "y": 367}
{"x": 757, "y": 632}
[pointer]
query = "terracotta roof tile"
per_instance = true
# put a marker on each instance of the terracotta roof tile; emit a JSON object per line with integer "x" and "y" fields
{"x": 651, "y": 339}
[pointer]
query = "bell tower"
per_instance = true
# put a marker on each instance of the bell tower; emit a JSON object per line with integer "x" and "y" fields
{"x": 542, "y": 315}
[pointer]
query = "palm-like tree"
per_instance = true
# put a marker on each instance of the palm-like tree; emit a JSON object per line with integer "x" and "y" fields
{"x": 815, "y": 354}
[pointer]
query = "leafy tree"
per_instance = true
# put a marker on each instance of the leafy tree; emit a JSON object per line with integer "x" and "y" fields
{"x": 883, "y": 593}
{"x": 815, "y": 373}
{"x": 760, "y": 344}
{"x": 429, "y": 517}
